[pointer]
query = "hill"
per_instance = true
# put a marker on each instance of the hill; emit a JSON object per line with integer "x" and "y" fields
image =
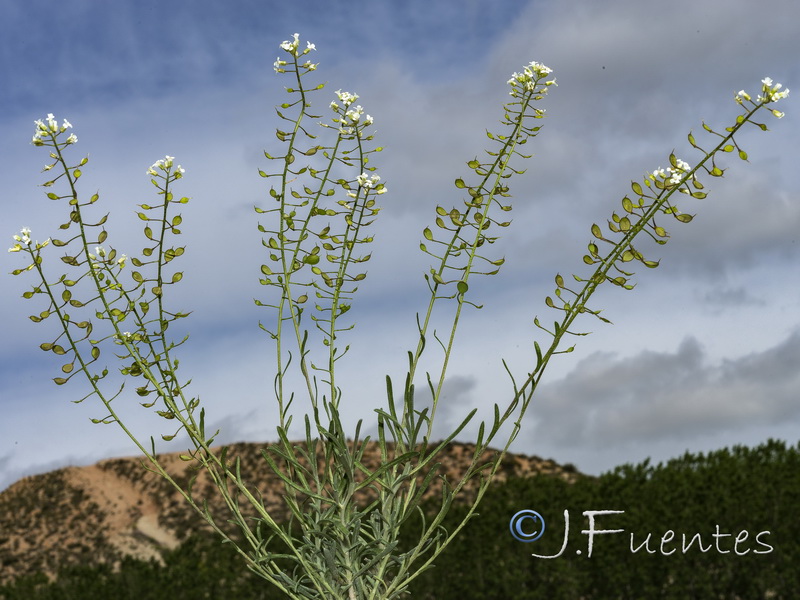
{"x": 102, "y": 513}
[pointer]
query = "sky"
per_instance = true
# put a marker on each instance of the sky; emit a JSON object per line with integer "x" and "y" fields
{"x": 702, "y": 354}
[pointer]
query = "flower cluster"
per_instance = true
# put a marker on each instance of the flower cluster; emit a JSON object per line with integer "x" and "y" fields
{"x": 531, "y": 74}
{"x": 351, "y": 114}
{"x": 368, "y": 181}
{"x": 345, "y": 98}
{"x": 770, "y": 92}
{"x": 49, "y": 128}
{"x": 165, "y": 164}
{"x": 292, "y": 47}
{"x": 354, "y": 115}
{"x": 673, "y": 174}
{"x": 24, "y": 238}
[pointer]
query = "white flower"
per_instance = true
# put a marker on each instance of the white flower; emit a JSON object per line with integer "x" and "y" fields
{"x": 121, "y": 261}
{"x": 529, "y": 77}
{"x": 538, "y": 68}
{"x": 24, "y": 237}
{"x": 346, "y": 97}
{"x": 310, "y": 47}
{"x": 165, "y": 164}
{"x": 72, "y": 139}
{"x": 770, "y": 92}
{"x": 50, "y": 128}
{"x": 278, "y": 66}
{"x": 678, "y": 171}
{"x": 100, "y": 251}
{"x": 369, "y": 120}
{"x": 354, "y": 114}
{"x": 291, "y": 46}
{"x": 367, "y": 181}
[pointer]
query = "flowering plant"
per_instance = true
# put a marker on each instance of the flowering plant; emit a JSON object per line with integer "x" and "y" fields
{"x": 323, "y": 197}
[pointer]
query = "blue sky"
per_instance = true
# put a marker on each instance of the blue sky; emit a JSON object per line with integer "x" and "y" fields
{"x": 703, "y": 353}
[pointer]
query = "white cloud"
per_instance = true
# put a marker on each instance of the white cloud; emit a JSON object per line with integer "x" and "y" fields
{"x": 610, "y": 400}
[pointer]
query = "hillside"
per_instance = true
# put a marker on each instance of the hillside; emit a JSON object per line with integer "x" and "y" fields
{"x": 116, "y": 508}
